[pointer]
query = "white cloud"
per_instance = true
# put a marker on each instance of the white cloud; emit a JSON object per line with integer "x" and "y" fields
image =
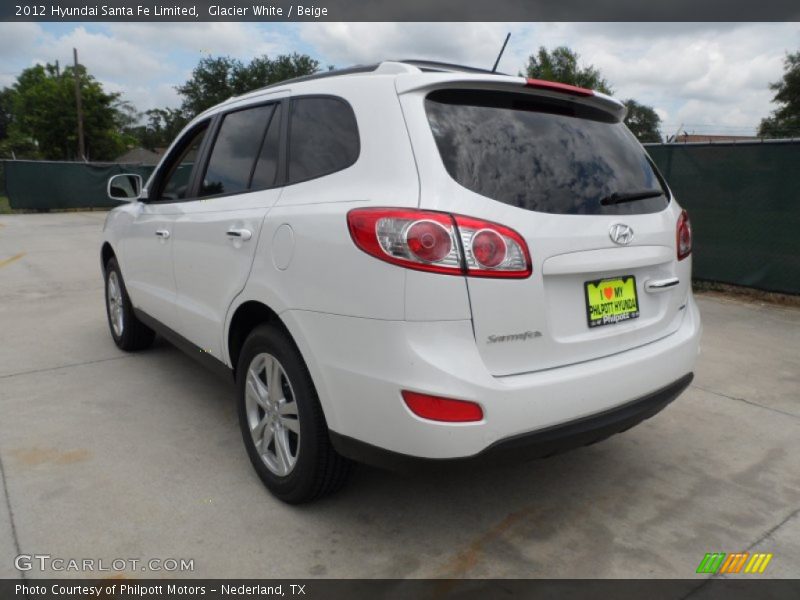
{"x": 344, "y": 44}
{"x": 241, "y": 40}
{"x": 16, "y": 39}
{"x": 104, "y": 55}
{"x": 706, "y": 75}
{"x": 710, "y": 77}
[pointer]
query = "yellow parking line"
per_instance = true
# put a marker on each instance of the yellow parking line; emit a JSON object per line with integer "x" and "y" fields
{"x": 8, "y": 261}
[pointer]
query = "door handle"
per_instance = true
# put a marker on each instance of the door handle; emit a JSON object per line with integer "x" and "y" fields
{"x": 660, "y": 285}
{"x": 162, "y": 233}
{"x": 242, "y": 234}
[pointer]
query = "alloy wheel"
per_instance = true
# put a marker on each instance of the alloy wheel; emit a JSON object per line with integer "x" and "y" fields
{"x": 115, "y": 309}
{"x": 272, "y": 414}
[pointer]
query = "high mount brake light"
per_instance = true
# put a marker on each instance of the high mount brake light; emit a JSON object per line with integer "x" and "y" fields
{"x": 541, "y": 84}
{"x": 440, "y": 242}
{"x": 684, "y": 236}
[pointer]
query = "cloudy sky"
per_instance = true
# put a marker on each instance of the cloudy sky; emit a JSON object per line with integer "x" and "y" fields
{"x": 707, "y": 78}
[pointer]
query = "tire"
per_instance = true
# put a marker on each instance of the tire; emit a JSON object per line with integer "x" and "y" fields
{"x": 285, "y": 435}
{"x": 128, "y": 332}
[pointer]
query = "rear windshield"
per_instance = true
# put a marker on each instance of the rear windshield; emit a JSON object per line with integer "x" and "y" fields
{"x": 540, "y": 154}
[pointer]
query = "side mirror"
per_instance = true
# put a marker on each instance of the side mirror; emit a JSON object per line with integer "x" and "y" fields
{"x": 125, "y": 188}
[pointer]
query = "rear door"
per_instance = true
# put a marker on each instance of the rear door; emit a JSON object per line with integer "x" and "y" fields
{"x": 217, "y": 233}
{"x": 565, "y": 173}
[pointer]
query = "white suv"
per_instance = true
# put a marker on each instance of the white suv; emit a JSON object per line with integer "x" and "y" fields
{"x": 411, "y": 262}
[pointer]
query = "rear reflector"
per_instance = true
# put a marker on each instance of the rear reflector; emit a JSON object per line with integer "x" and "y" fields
{"x": 442, "y": 409}
{"x": 541, "y": 84}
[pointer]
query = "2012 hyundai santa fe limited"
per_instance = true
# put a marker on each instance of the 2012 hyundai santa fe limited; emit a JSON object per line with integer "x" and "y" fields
{"x": 411, "y": 261}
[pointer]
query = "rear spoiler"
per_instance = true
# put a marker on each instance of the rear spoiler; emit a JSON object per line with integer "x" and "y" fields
{"x": 413, "y": 82}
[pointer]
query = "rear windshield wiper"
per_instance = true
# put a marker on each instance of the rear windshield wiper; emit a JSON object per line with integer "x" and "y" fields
{"x": 620, "y": 197}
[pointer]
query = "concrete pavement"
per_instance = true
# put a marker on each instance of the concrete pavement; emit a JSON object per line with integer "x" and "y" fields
{"x": 110, "y": 455}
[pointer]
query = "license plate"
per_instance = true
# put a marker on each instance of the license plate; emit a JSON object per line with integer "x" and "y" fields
{"x": 610, "y": 301}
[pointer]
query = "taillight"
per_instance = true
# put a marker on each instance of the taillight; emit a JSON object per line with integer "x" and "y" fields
{"x": 684, "y": 236}
{"x": 442, "y": 409}
{"x": 492, "y": 250}
{"x": 415, "y": 239}
{"x": 440, "y": 242}
{"x": 429, "y": 241}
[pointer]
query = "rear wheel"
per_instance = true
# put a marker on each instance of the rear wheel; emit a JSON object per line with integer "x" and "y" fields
{"x": 128, "y": 332}
{"x": 282, "y": 423}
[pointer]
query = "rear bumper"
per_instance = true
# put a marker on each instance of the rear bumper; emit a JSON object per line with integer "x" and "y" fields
{"x": 537, "y": 444}
{"x": 360, "y": 366}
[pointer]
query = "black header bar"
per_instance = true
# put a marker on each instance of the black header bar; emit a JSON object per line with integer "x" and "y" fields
{"x": 735, "y": 588}
{"x": 399, "y": 10}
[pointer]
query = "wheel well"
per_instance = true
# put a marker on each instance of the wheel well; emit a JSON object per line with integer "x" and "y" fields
{"x": 106, "y": 254}
{"x": 246, "y": 318}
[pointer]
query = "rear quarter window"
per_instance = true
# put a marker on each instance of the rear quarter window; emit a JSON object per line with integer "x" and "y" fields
{"x": 539, "y": 154}
{"x": 323, "y": 137}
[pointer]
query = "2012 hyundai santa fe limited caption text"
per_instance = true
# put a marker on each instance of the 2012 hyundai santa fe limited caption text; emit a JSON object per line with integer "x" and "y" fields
{"x": 410, "y": 262}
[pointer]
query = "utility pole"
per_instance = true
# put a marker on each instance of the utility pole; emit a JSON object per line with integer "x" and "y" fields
{"x": 78, "y": 104}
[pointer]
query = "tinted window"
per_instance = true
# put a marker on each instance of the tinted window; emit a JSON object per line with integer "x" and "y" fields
{"x": 235, "y": 150}
{"x": 176, "y": 181}
{"x": 323, "y": 137}
{"x": 266, "y": 170}
{"x": 544, "y": 155}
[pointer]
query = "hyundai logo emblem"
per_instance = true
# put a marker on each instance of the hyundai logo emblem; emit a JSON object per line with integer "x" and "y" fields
{"x": 621, "y": 234}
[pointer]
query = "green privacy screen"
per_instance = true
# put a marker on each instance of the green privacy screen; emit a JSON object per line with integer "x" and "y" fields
{"x": 47, "y": 185}
{"x": 744, "y": 203}
{"x": 743, "y": 199}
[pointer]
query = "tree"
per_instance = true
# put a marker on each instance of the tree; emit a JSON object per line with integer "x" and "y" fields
{"x": 162, "y": 125}
{"x": 785, "y": 120}
{"x": 643, "y": 122}
{"x": 561, "y": 64}
{"x": 215, "y": 79}
{"x": 44, "y": 119}
{"x": 12, "y": 143}
{"x": 6, "y": 102}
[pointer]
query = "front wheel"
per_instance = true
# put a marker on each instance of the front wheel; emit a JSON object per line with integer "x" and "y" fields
{"x": 282, "y": 423}
{"x": 128, "y": 332}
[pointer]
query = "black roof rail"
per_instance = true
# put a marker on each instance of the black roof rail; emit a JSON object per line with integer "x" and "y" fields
{"x": 424, "y": 65}
{"x": 432, "y": 65}
{"x": 322, "y": 75}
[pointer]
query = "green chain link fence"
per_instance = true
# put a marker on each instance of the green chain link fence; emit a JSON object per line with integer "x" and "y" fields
{"x": 743, "y": 200}
{"x": 41, "y": 185}
{"x": 744, "y": 203}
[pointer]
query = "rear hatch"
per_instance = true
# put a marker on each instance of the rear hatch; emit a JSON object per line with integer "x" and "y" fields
{"x": 560, "y": 168}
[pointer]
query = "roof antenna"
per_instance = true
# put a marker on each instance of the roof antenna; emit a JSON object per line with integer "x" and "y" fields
{"x": 499, "y": 56}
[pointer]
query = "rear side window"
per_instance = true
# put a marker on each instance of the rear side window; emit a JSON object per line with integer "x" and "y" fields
{"x": 323, "y": 137}
{"x": 236, "y": 148}
{"x": 265, "y": 173}
{"x": 543, "y": 155}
